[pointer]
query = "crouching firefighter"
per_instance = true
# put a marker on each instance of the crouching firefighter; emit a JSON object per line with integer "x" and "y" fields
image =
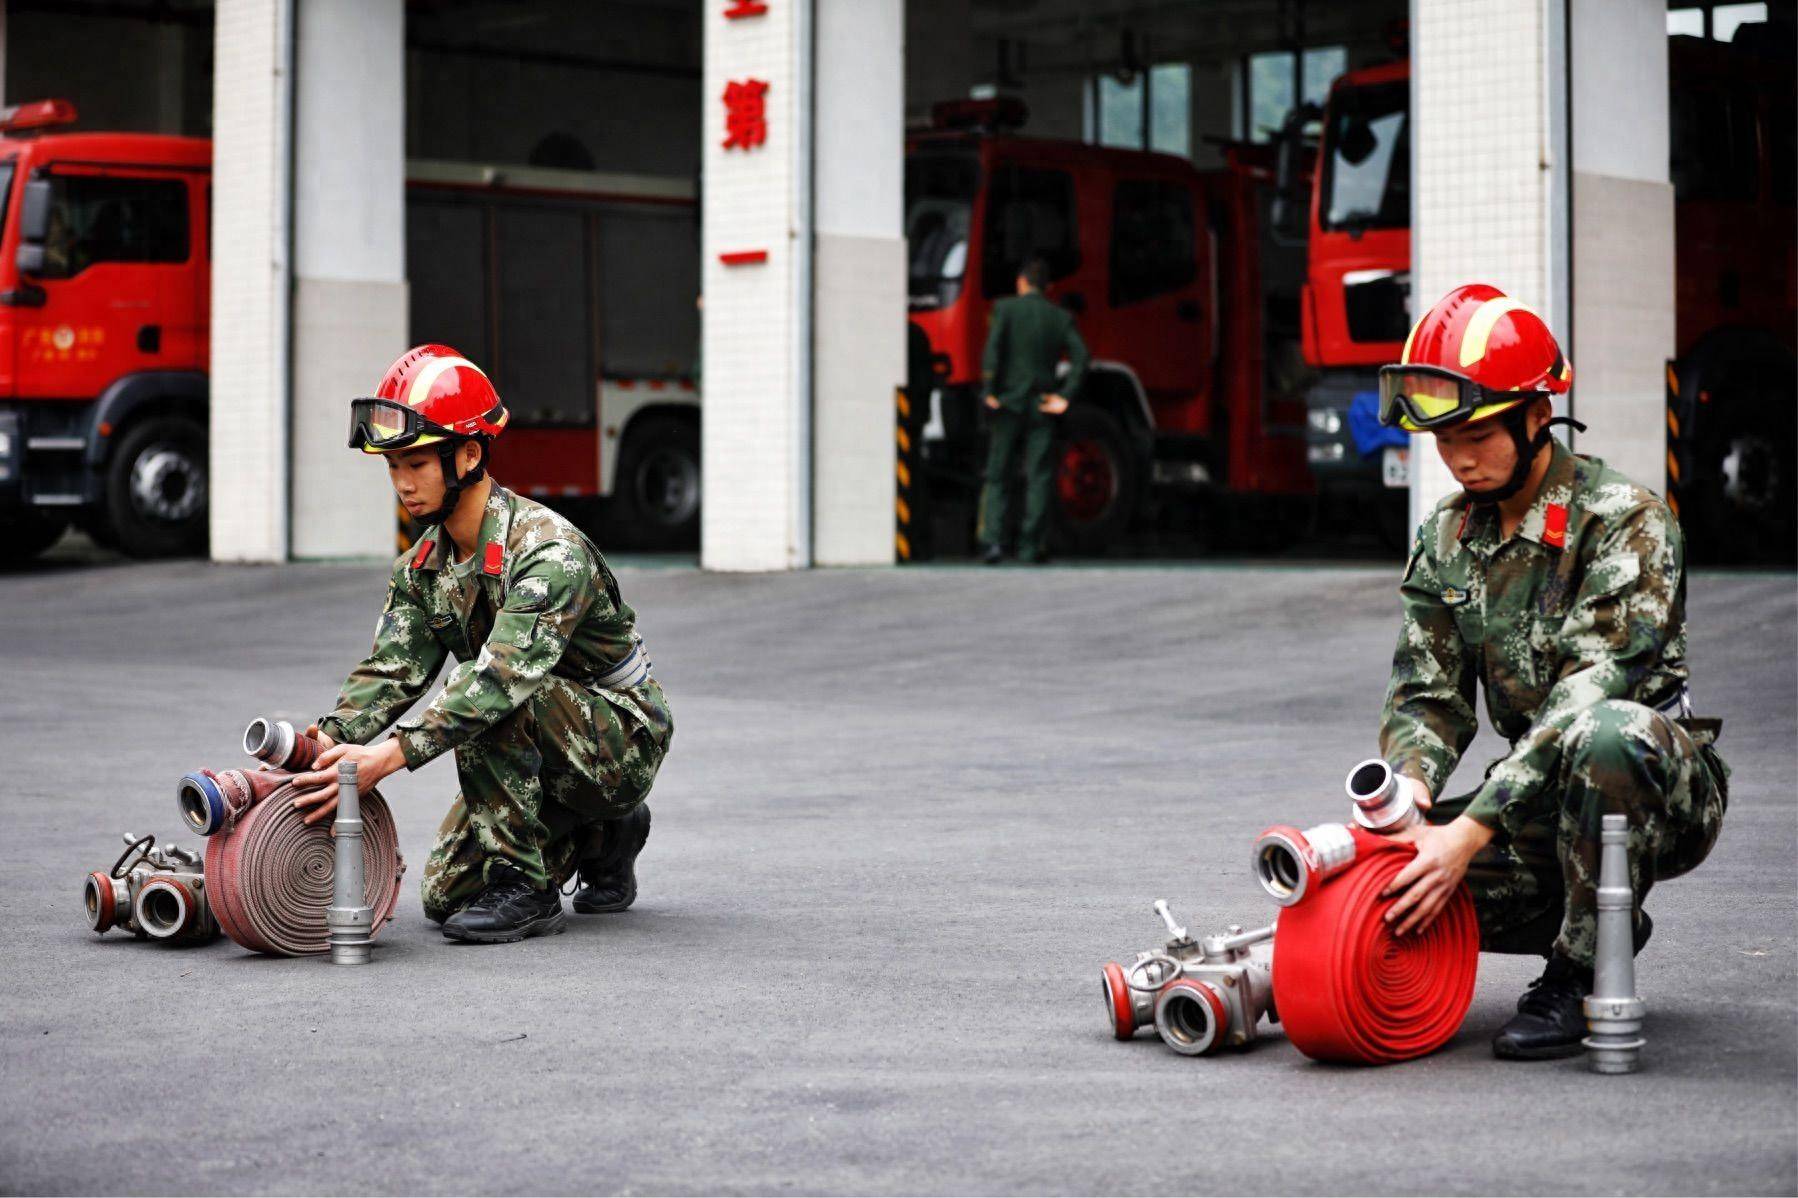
{"x": 557, "y": 725}
{"x": 1557, "y": 586}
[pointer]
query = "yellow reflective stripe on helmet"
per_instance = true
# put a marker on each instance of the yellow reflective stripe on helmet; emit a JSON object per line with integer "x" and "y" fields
{"x": 1479, "y": 328}
{"x": 427, "y": 378}
{"x": 1405, "y": 354}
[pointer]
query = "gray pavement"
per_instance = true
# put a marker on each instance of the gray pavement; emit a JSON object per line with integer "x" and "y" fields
{"x": 906, "y": 816}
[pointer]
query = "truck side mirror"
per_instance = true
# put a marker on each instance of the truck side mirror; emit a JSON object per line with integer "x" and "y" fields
{"x": 34, "y": 211}
{"x": 30, "y": 258}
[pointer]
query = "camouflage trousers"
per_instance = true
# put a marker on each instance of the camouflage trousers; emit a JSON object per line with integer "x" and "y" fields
{"x": 1535, "y": 886}
{"x": 536, "y": 790}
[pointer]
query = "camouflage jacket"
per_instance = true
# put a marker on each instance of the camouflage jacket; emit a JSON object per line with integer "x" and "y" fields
{"x": 539, "y": 603}
{"x": 1585, "y": 601}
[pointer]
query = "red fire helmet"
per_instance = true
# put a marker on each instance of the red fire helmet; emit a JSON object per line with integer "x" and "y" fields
{"x": 1476, "y": 353}
{"x": 429, "y": 394}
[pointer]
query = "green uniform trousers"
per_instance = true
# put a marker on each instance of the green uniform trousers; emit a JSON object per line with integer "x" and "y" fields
{"x": 1034, "y": 434}
{"x": 536, "y": 787}
{"x": 1536, "y": 889}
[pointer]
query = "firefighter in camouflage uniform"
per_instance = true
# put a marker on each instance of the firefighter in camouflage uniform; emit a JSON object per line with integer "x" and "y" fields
{"x": 556, "y": 723}
{"x": 1556, "y": 586}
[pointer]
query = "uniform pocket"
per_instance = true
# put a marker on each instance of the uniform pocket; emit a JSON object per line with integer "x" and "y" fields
{"x": 516, "y": 629}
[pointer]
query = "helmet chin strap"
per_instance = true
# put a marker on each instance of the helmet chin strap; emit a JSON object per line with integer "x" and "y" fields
{"x": 1528, "y": 449}
{"x": 455, "y": 484}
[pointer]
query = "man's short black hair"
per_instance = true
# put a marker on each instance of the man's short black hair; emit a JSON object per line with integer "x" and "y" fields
{"x": 1035, "y": 271}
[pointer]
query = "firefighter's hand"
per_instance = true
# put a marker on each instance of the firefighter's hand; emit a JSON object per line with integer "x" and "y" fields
{"x": 318, "y": 786}
{"x": 1053, "y": 405}
{"x": 992, "y": 401}
{"x": 1424, "y": 886}
{"x": 320, "y": 737}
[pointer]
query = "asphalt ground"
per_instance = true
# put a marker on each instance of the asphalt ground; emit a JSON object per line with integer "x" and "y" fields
{"x": 906, "y": 816}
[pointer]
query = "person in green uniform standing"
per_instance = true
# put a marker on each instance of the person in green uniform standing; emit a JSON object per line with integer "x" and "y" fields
{"x": 1557, "y": 586}
{"x": 1028, "y": 338}
{"x": 557, "y": 724}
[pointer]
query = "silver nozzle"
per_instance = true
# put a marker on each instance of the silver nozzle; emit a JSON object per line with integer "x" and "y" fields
{"x": 1382, "y": 800}
{"x": 349, "y": 919}
{"x": 1613, "y": 1012}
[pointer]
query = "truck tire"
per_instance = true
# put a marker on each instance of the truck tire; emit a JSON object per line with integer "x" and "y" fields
{"x": 27, "y": 534}
{"x": 156, "y": 485}
{"x": 1098, "y": 477}
{"x": 655, "y": 503}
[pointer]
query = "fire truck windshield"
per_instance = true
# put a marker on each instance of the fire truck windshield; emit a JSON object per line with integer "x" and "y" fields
{"x": 939, "y": 198}
{"x": 1367, "y": 160}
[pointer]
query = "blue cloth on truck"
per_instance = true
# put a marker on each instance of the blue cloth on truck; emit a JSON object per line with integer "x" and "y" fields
{"x": 1364, "y": 425}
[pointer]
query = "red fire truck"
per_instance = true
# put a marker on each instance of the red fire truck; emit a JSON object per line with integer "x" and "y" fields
{"x": 1732, "y": 404}
{"x": 103, "y": 334}
{"x": 1162, "y": 265}
{"x": 575, "y": 290}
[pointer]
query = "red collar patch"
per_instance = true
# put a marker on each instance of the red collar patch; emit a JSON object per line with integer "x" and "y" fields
{"x": 1554, "y": 527}
{"x": 1465, "y": 514}
{"x": 495, "y": 560}
{"x": 424, "y": 551}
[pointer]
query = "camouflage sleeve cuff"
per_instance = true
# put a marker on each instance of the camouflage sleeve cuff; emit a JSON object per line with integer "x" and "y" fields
{"x": 345, "y": 730}
{"x": 1486, "y": 812}
{"x": 418, "y": 746}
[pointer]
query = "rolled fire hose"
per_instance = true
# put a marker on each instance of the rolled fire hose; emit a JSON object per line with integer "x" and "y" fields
{"x": 269, "y": 872}
{"x": 1349, "y": 990}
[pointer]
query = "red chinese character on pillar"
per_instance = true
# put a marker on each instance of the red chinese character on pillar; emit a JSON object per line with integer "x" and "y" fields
{"x": 745, "y": 8}
{"x": 745, "y": 114}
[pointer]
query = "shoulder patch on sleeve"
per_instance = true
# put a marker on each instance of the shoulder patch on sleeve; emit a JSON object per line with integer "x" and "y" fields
{"x": 495, "y": 561}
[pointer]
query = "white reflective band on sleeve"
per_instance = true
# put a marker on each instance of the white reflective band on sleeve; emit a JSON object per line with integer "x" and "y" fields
{"x": 632, "y": 671}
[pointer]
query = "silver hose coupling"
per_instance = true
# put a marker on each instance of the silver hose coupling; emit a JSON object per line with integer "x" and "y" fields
{"x": 277, "y": 743}
{"x": 349, "y": 920}
{"x": 1382, "y": 799}
{"x": 1613, "y": 1012}
{"x": 1291, "y": 864}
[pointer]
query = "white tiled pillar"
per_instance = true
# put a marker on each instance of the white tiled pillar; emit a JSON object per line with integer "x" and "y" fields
{"x": 308, "y": 277}
{"x": 349, "y": 305}
{"x": 251, "y": 103}
{"x": 804, "y": 277}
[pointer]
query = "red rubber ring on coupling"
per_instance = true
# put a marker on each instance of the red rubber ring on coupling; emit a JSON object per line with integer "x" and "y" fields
{"x": 104, "y": 912}
{"x": 1117, "y": 995}
{"x": 1349, "y": 990}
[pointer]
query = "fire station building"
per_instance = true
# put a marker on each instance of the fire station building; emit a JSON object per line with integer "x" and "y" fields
{"x": 676, "y": 231}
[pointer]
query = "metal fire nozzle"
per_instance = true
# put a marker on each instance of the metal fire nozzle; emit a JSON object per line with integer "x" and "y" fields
{"x": 1382, "y": 798}
{"x": 1613, "y": 1012}
{"x": 1200, "y": 993}
{"x": 349, "y": 919}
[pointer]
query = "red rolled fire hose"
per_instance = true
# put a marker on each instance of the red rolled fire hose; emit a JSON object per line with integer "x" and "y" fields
{"x": 1349, "y": 990}
{"x": 270, "y": 873}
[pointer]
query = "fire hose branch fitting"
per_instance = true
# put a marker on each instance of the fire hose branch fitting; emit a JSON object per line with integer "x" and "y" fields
{"x": 1613, "y": 1012}
{"x": 1198, "y": 994}
{"x": 350, "y": 919}
{"x": 1291, "y": 864}
{"x": 280, "y": 745}
{"x": 1382, "y": 799}
{"x": 151, "y": 892}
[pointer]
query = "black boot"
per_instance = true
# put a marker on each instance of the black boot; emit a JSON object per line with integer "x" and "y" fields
{"x": 1550, "y": 1021}
{"x": 992, "y": 555}
{"x": 509, "y": 909}
{"x": 609, "y": 881}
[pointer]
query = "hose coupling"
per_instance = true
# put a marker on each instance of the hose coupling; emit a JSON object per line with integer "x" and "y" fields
{"x": 1382, "y": 798}
{"x": 1291, "y": 864}
{"x": 280, "y": 745}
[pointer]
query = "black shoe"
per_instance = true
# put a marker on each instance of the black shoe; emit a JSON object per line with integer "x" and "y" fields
{"x": 609, "y": 881}
{"x": 992, "y": 556}
{"x": 509, "y": 909}
{"x": 1550, "y": 1021}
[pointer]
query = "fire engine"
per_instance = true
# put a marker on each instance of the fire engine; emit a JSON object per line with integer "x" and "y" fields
{"x": 1732, "y": 403}
{"x": 1162, "y": 265}
{"x": 541, "y": 275}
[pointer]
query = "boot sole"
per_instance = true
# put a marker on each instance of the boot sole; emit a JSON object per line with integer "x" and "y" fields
{"x": 549, "y": 925}
{"x": 1552, "y": 1052}
{"x": 602, "y": 908}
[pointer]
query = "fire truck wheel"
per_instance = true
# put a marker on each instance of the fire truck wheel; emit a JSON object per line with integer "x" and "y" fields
{"x": 1097, "y": 479}
{"x": 27, "y": 534}
{"x": 655, "y": 504}
{"x": 156, "y": 489}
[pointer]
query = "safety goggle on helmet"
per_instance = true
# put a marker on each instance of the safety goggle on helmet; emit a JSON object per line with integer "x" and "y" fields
{"x": 1476, "y": 353}
{"x": 431, "y": 394}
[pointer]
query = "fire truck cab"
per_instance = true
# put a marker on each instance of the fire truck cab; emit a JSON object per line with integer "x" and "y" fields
{"x": 104, "y": 291}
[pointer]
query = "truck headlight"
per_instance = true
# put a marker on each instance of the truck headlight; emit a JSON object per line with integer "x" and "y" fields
{"x": 1327, "y": 421}
{"x": 1333, "y": 452}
